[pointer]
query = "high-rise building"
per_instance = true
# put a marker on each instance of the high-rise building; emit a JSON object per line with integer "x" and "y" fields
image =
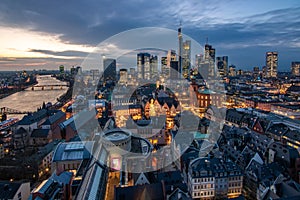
{"x": 222, "y": 64}
{"x": 153, "y": 67}
{"x": 271, "y": 64}
{"x": 123, "y": 76}
{"x": 210, "y": 53}
{"x": 110, "y": 67}
{"x": 186, "y": 58}
{"x": 232, "y": 71}
{"x": 174, "y": 70}
{"x": 296, "y": 68}
{"x": 198, "y": 60}
{"x": 207, "y": 66}
{"x": 143, "y": 65}
{"x": 180, "y": 49}
{"x": 171, "y": 56}
{"x": 255, "y": 72}
{"x": 165, "y": 69}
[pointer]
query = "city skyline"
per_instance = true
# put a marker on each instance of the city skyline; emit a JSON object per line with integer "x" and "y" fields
{"x": 34, "y": 36}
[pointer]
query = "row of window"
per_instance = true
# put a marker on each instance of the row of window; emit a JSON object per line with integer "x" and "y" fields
{"x": 207, "y": 193}
{"x": 235, "y": 178}
{"x": 200, "y": 180}
{"x": 235, "y": 191}
{"x": 205, "y": 186}
{"x": 238, "y": 184}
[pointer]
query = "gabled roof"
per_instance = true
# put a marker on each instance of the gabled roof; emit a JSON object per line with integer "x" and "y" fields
{"x": 21, "y": 131}
{"x": 178, "y": 194}
{"x": 34, "y": 117}
{"x": 56, "y": 116}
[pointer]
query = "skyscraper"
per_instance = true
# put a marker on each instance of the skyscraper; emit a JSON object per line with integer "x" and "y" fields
{"x": 143, "y": 65}
{"x": 198, "y": 60}
{"x": 296, "y": 68}
{"x": 174, "y": 70}
{"x": 207, "y": 65}
{"x": 255, "y": 72}
{"x": 179, "y": 49}
{"x": 186, "y": 58}
{"x": 109, "y": 66}
{"x": 232, "y": 71}
{"x": 123, "y": 76}
{"x": 165, "y": 70}
{"x": 210, "y": 53}
{"x": 222, "y": 63}
{"x": 271, "y": 64}
{"x": 153, "y": 67}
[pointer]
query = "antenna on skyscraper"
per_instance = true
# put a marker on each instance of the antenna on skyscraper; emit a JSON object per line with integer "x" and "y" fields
{"x": 206, "y": 40}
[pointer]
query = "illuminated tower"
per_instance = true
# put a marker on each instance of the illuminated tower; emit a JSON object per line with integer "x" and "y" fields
{"x": 271, "y": 64}
{"x": 296, "y": 68}
{"x": 143, "y": 65}
{"x": 186, "y": 58}
{"x": 222, "y": 63}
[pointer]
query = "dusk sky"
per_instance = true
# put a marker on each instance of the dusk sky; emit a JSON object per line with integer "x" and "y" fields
{"x": 45, "y": 34}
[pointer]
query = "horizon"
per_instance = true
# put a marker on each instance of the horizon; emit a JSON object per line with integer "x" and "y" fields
{"x": 36, "y": 37}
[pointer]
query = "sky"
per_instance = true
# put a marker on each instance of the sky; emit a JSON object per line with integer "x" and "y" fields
{"x": 38, "y": 34}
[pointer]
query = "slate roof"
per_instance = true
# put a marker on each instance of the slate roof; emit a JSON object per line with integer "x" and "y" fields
{"x": 293, "y": 135}
{"x": 34, "y": 117}
{"x": 278, "y": 129}
{"x": 149, "y": 191}
{"x": 56, "y": 116}
{"x": 8, "y": 189}
{"x": 40, "y": 133}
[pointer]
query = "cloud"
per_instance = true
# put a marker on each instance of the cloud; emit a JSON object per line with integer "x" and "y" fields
{"x": 69, "y": 53}
{"x": 234, "y": 27}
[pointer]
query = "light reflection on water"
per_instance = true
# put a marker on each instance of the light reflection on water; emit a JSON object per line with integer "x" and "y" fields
{"x": 29, "y": 100}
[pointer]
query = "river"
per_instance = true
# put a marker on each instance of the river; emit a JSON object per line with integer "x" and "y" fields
{"x": 30, "y": 100}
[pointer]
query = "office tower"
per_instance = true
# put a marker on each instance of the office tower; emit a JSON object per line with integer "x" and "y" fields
{"x": 153, "y": 67}
{"x": 165, "y": 69}
{"x": 123, "y": 76}
{"x": 209, "y": 53}
{"x": 207, "y": 65}
{"x": 143, "y": 66}
{"x": 271, "y": 64}
{"x": 171, "y": 56}
{"x": 232, "y": 71}
{"x": 255, "y": 72}
{"x": 179, "y": 49}
{"x": 109, "y": 66}
{"x": 186, "y": 58}
{"x": 198, "y": 60}
{"x": 296, "y": 68}
{"x": 222, "y": 63}
{"x": 174, "y": 70}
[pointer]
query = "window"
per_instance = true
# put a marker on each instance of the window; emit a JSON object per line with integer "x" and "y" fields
{"x": 19, "y": 196}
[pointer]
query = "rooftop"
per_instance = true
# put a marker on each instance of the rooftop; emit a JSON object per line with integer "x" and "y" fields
{"x": 73, "y": 151}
